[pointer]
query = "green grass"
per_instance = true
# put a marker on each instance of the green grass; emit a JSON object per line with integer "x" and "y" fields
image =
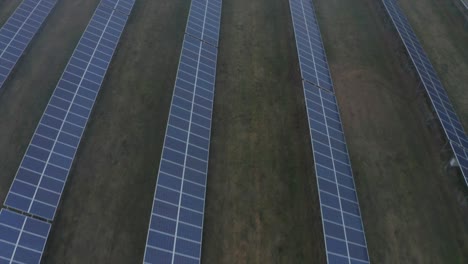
{"x": 409, "y": 206}
{"x": 262, "y": 204}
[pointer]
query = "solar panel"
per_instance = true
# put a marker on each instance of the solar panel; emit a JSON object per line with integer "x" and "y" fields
{"x": 123, "y": 6}
{"x": 344, "y": 236}
{"x": 175, "y": 232}
{"x": 436, "y": 92}
{"x": 204, "y": 20}
{"x": 42, "y": 174}
{"x": 344, "y": 233}
{"x": 312, "y": 57}
{"x": 22, "y": 238}
{"x": 18, "y": 31}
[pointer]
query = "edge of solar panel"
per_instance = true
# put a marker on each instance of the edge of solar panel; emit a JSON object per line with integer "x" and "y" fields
{"x": 37, "y": 224}
{"x": 313, "y": 55}
{"x": 39, "y": 123}
{"x": 462, "y": 139}
{"x": 187, "y": 25}
{"x": 53, "y": 3}
{"x": 164, "y": 144}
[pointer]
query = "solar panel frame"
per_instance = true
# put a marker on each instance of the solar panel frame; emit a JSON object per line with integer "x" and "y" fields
{"x": 204, "y": 20}
{"x": 335, "y": 181}
{"x": 461, "y": 155}
{"x": 311, "y": 52}
{"x": 123, "y": 6}
{"x": 22, "y": 238}
{"x": 18, "y": 31}
{"x": 440, "y": 101}
{"x": 342, "y": 224}
{"x": 43, "y": 171}
{"x": 178, "y": 211}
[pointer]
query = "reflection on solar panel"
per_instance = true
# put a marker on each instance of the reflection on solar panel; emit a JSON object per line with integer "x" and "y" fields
{"x": 43, "y": 171}
{"x": 436, "y": 92}
{"x": 176, "y": 225}
{"x": 18, "y": 31}
{"x": 312, "y": 57}
{"x": 344, "y": 237}
{"x": 204, "y": 19}
{"x": 22, "y": 239}
{"x": 175, "y": 231}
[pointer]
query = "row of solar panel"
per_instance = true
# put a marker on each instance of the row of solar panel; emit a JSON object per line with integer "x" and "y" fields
{"x": 42, "y": 174}
{"x": 312, "y": 58}
{"x": 204, "y": 20}
{"x": 176, "y": 225}
{"x": 46, "y": 164}
{"x": 344, "y": 236}
{"x": 22, "y": 238}
{"x": 436, "y": 92}
{"x": 177, "y": 218}
{"x": 18, "y": 32}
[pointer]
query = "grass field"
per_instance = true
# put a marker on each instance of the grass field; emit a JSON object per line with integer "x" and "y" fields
{"x": 262, "y": 204}
{"x": 446, "y": 42}
{"x": 410, "y": 207}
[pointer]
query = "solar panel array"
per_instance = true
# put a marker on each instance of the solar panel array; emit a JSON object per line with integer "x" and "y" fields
{"x": 22, "y": 238}
{"x": 40, "y": 179}
{"x": 312, "y": 57}
{"x": 344, "y": 236}
{"x": 204, "y": 20}
{"x": 18, "y": 31}
{"x": 176, "y": 225}
{"x": 436, "y": 92}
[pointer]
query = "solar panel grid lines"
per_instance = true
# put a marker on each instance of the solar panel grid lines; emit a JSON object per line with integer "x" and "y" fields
{"x": 438, "y": 96}
{"x": 44, "y": 169}
{"x": 123, "y": 6}
{"x": 311, "y": 52}
{"x": 22, "y": 238}
{"x": 175, "y": 231}
{"x": 342, "y": 222}
{"x": 18, "y": 31}
{"x": 204, "y": 20}
{"x": 343, "y": 229}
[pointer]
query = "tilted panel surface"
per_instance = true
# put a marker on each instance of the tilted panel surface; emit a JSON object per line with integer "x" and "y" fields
{"x": 18, "y": 32}
{"x": 42, "y": 174}
{"x": 175, "y": 232}
{"x": 204, "y": 20}
{"x": 123, "y": 6}
{"x": 311, "y": 53}
{"x": 22, "y": 239}
{"x": 345, "y": 240}
{"x": 344, "y": 236}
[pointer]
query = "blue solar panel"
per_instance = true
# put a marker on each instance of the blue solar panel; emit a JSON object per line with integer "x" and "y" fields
{"x": 175, "y": 232}
{"x": 22, "y": 239}
{"x": 123, "y": 6}
{"x": 43, "y": 171}
{"x": 342, "y": 224}
{"x": 18, "y": 31}
{"x": 204, "y": 20}
{"x": 344, "y": 236}
{"x": 312, "y": 57}
{"x": 436, "y": 92}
